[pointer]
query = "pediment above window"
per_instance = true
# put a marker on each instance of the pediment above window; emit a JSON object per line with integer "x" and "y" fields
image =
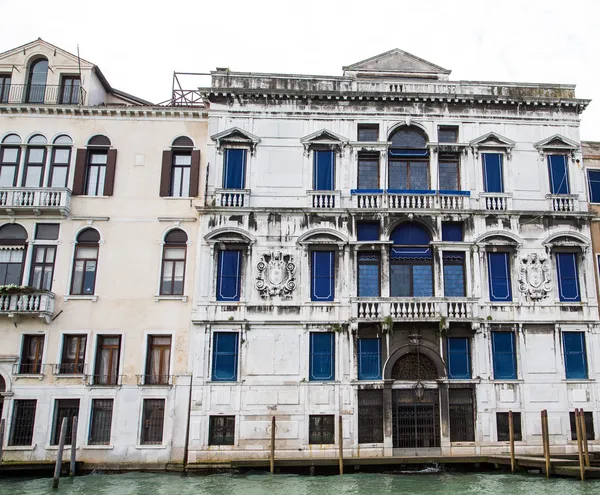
{"x": 324, "y": 138}
{"x": 236, "y": 137}
{"x": 566, "y": 239}
{"x": 556, "y": 143}
{"x": 499, "y": 238}
{"x": 322, "y": 236}
{"x": 492, "y": 141}
{"x": 229, "y": 235}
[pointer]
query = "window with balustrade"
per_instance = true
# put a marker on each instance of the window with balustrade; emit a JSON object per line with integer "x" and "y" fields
{"x": 60, "y": 161}
{"x": 558, "y": 174}
{"x": 323, "y": 169}
{"x": 368, "y": 172}
{"x": 108, "y": 355}
{"x": 32, "y": 353}
{"x": 408, "y": 160}
{"x": 36, "y": 81}
{"x": 4, "y": 87}
{"x": 411, "y": 261}
{"x": 493, "y": 173}
{"x": 158, "y": 360}
{"x": 73, "y": 354}
{"x": 10, "y": 156}
{"x": 35, "y": 161}
{"x": 70, "y": 90}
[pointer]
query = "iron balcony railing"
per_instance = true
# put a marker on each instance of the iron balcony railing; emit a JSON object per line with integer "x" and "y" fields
{"x": 69, "y": 369}
{"x": 104, "y": 380}
{"x": 155, "y": 380}
{"x": 30, "y": 369}
{"x": 43, "y": 94}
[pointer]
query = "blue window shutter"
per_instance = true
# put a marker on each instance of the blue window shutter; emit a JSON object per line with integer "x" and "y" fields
{"x": 368, "y": 274}
{"x": 504, "y": 356}
{"x": 422, "y": 281}
{"x": 369, "y": 359}
{"x": 558, "y": 173}
{"x": 568, "y": 277}
{"x": 454, "y": 280}
{"x": 594, "y": 185}
{"x": 492, "y": 173}
{"x": 575, "y": 355}
{"x": 324, "y": 168}
{"x": 235, "y": 169}
{"x": 322, "y": 356}
{"x": 499, "y": 277}
{"x": 228, "y": 276}
{"x": 323, "y": 276}
{"x": 459, "y": 359}
{"x": 452, "y": 231}
{"x": 225, "y": 356}
{"x": 410, "y": 233}
{"x": 367, "y": 231}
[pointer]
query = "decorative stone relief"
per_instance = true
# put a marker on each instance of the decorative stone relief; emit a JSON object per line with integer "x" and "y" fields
{"x": 534, "y": 276}
{"x": 276, "y": 275}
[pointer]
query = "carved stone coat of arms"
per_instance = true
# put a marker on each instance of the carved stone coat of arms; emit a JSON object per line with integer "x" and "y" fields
{"x": 534, "y": 276}
{"x": 276, "y": 275}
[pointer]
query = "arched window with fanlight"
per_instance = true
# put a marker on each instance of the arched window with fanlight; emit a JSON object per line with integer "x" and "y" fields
{"x": 85, "y": 262}
{"x": 173, "y": 263}
{"x": 408, "y": 160}
{"x": 95, "y": 168}
{"x": 411, "y": 261}
{"x": 36, "y": 81}
{"x": 60, "y": 161}
{"x": 35, "y": 161}
{"x": 10, "y": 154}
{"x": 13, "y": 242}
{"x": 180, "y": 172}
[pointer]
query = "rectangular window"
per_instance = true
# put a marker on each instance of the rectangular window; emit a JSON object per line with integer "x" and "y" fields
{"x": 180, "y": 174}
{"x": 499, "y": 277}
{"x": 447, "y": 134}
{"x": 59, "y": 167}
{"x": 492, "y": 173}
{"x": 101, "y": 422}
{"x": 503, "y": 428}
{"x": 31, "y": 355}
{"x": 367, "y": 231}
{"x": 322, "y": 356}
{"x": 96, "y": 172}
{"x": 369, "y": 359}
{"x": 370, "y": 416}
{"x": 73, "y": 354}
{"x": 588, "y": 417}
{"x": 23, "y": 421}
{"x": 575, "y": 356}
{"x": 234, "y": 169}
{"x": 225, "y": 356}
{"x": 42, "y": 267}
{"x": 452, "y": 231}
{"x": 9, "y": 162}
{"x": 47, "y": 231}
{"x": 368, "y": 274}
{"x": 321, "y": 429}
{"x": 462, "y": 415}
{"x": 11, "y": 266}
{"x": 568, "y": 277}
{"x": 454, "y": 274}
{"x": 35, "y": 160}
{"x": 173, "y": 270}
{"x": 229, "y": 275}
{"x": 594, "y": 185}
{"x": 85, "y": 264}
{"x": 559, "y": 174}
{"x": 221, "y": 430}
{"x": 158, "y": 360}
{"x": 368, "y": 132}
{"x": 449, "y": 173}
{"x": 410, "y": 279}
{"x": 459, "y": 358}
{"x": 107, "y": 360}
{"x": 153, "y": 418}
{"x": 324, "y": 170}
{"x": 70, "y": 90}
{"x": 408, "y": 176}
{"x": 64, "y": 408}
{"x": 504, "y": 355}
{"x": 4, "y": 87}
{"x": 368, "y": 171}
{"x": 323, "y": 276}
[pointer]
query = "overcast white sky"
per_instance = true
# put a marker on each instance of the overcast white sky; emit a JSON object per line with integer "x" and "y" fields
{"x": 139, "y": 44}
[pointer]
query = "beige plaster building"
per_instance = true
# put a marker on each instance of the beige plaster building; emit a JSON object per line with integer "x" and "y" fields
{"x": 591, "y": 163}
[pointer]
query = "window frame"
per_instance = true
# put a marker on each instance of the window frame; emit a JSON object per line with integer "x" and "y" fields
{"x": 446, "y": 128}
{"x": 314, "y": 296}
{"x": 589, "y": 185}
{"x": 551, "y": 184}
{"x": 364, "y": 354}
{"x": 409, "y": 160}
{"x": 446, "y": 261}
{"x": 164, "y": 360}
{"x": 371, "y": 262}
{"x": 453, "y": 158}
{"x": 367, "y": 127}
{"x": 467, "y": 354}
{"x": 243, "y": 167}
{"x": 5, "y": 86}
{"x": 63, "y": 86}
{"x": 54, "y": 165}
{"x": 515, "y": 369}
{"x": 234, "y": 376}
{"x": 146, "y": 438}
{"x": 589, "y": 425}
{"x": 114, "y": 362}
{"x": 43, "y": 264}
{"x": 84, "y": 245}
{"x": 238, "y": 276}
{"x": 72, "y": 411}
{"x": 316, "y": 152}
{"x": 175, "y": 262}
{"x": 485, "y": 176}
{"x": 573, "y": 375}
{"x": 28, "y": 165}
{"x": 313, "y": 376}
{"x": 15, "y": 165}
{"x": 559, "y": 255}
{"x": 102, "y": 167}
{"x": 504, "y": 436}
{"x": 508, "y": 271}
{"x": 175, "y": 152}
{"x": 77, "y": 367}
{"x": 23, "y": 251}
{"x": 33, "y": 366}
{"x": 323, "y": 427}
{"x": 92, "y": 440}
{"x": 368, "y": 157}
{"x": 30, "y": 433}
{"x": 222, "y": 439}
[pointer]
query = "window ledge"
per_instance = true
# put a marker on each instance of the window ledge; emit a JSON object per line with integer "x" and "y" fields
{"x": 506, "y": 380}
{"x": 55, "y": 447}
{"x": 23, "y": 448}
{"x": 93, "y": 298}
{"x": 181, "y": 298}
{"x": 59, "y": 376}
{"x": 578, "y": 380}
{"x": 90, "y": 196}
{"x": 223, "y": 382}
{"x": 150, "y": 447}
{"x": 37, "y": 376}
{"x": 97, "y": 447}
{"x": 320, "y": 303}
{"x": 175, "y": 198}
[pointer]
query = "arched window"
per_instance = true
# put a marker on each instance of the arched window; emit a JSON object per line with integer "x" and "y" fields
{"x": 10, "y": 154}
{"x": 173, "y": 263}
{"x": 180, "y": 169}
{"x": 411, "y": 263}
{"x": 13, "y": 239}
{"x": 95, "y": 168}
{"x": 408, "y": 160}
{"x": 36, "y": 83}
{"x": 60, "y": 160}
{"x": 35, "y": 161}
{"x": 85, "y": 262}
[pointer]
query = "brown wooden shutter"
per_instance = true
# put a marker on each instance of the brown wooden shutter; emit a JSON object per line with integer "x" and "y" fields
{"x": 109, "y": 179}
{"x": 165, "y": 174}
{"x": 79, "y": 175}
{"x": 195, "y": 173}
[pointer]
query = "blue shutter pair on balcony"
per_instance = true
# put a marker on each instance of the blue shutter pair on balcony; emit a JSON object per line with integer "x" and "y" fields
{"x": 234, "y": 170}
{"x": 493, "y": 181}
{"x": 324, "y": 170}
{"x": 558, "y": 173}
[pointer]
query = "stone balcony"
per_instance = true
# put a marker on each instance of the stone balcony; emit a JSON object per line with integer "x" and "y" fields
{"x": 35, "y": 200}
{"x": 414, "y": 308}
{"x": 563, "y": 202}
{"x": 25, "y": 303}
{"x": 410, "y": 200}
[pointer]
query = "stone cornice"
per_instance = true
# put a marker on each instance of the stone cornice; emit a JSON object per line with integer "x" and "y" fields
{"x": 126, "y": 112}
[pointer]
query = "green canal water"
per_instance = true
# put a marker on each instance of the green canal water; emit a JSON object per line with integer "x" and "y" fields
{"x": 254, "y": 484}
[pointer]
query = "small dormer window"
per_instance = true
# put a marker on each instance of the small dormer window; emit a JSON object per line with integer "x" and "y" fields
{"x": 70, "y": 90}
{"x": 36, "y": 83}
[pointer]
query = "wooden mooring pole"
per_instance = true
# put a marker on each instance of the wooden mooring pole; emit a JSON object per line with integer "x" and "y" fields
{"x": 272, "y": 461}
{"x": 341, "y": 445}
{"x": 584, "y": 439}
{"x": 59, "y": 453}
{"x": 1, "y": 438}
{"x": 546, "y": 441}
{"x": 73, "y": 466}
{"x": 511, "y": 437}
{"x": 579, "y": 445}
